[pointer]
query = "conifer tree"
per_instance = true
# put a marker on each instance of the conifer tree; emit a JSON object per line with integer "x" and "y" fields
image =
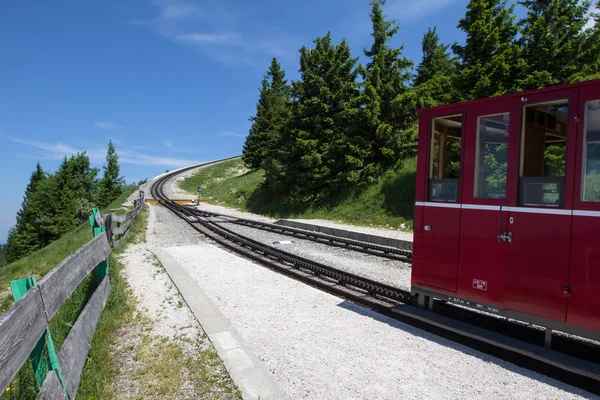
{"x": 385, "y": 119}
{"x": 489, "y": 59}
{"x": 554, "y": 42}
{"x": 73, "y": 193}
{"x": 272, "y": 113}
{"x": 592, "y": 46}
{"x": 25, "y": 237}
{"x": 435, "y": 81}
{"x": 111, "y": 184}
{"x": 313, "y": 161}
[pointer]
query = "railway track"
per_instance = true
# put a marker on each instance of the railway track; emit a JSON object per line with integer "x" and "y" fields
{"x": 464, "y": 326}
{"x": 356, "y": 245}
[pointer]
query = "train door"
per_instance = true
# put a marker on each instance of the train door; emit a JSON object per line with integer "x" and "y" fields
{"x": 485, "y": 194}
{"x": 584, "y": 278}
{"x": 538, "y": 233}
{"x": 441, "y": 211}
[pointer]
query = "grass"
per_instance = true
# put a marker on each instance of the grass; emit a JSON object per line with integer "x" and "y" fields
{"x": 43, "y": 261}
{"x": 166, "y": 369}
{"x": 387, "y": 203}
{"x": 101, "y": 368}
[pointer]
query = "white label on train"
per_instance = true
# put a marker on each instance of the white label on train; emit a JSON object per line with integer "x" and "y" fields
{"x": 479, "y": 284}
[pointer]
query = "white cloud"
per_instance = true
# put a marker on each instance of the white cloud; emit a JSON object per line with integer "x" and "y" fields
{"x": 173, "y": 11}
{"x": 108, "y": 125}
{"x": 236, "y": 41}
{"x": 203, "y": 38}
{"x": 148, "y": 160}
{"x": 231, "y": 134}
{"x": 415, "y": 8}
{"x": 57, "y": 151}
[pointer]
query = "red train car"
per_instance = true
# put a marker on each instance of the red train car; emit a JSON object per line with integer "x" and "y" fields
{"x": 507, "y": 212}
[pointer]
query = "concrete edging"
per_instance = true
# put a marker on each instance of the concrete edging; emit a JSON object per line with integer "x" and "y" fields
{"x": 247, "y": 371}
{"x": 363, "y": 237}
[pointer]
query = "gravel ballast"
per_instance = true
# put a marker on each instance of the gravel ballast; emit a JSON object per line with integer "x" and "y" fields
{"x": 319, "y": 346}
{"x": 390, "y": 272}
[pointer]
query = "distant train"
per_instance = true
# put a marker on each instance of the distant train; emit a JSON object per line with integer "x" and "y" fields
{"x": 507, "y": 216}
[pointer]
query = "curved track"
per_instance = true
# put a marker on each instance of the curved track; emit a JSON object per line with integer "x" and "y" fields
{"x": 385, "y": 299}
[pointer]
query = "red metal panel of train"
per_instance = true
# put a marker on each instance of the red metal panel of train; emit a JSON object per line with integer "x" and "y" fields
{"x": 507, "y": 213}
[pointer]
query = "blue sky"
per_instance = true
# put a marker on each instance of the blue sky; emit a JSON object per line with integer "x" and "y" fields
{"x": 170, "y": 82}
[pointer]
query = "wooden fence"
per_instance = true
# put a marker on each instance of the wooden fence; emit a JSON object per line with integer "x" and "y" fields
{"x": 24, "y": 327}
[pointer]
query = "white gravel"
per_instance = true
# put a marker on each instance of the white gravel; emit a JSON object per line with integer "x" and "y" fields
{"x": 391, "y": 233}
{"x": 161, "y": 316}
{"x": 321, "y": 347}
{"x": 391, "y": 272}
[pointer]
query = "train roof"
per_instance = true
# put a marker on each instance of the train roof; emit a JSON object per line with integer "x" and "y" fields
{"x": 507, "y": 96}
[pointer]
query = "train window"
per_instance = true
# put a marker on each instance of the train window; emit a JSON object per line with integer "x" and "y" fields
{"x": 491, "y": 159}
{"x": 591, "y": 153}
{"x": 445, "y": 159}
{"x": 544, "y": 154}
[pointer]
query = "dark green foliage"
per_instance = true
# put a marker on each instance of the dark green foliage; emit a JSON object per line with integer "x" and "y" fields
{"x": 53, "y": 204}
{"x": 591, "y": 58}
{"x": 490, "y": 58}
{"x": 24, "y": 238}
{"x": 341, "y": 127}
{"x": 111, "y": 184}
{"x": 384, "y": 120}
{"x": 554, "y": 43}
{"x": 556, "y": 47}
{"x": 73, "y": 194}
{"x": 3, "y": 248}
{"x": 272, "y": 113}
{"x": 317, "y": 155}
{"x": 435, "y": 82}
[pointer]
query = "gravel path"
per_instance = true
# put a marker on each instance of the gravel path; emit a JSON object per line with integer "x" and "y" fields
{"x": 321, "y": 347}
{"x": 161, "y": 325}
{"x": 391, "y": 272}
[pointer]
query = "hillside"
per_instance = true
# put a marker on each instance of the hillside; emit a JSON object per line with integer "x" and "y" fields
{"x": 387, "y": 203}
{"x": 2, "y": 254}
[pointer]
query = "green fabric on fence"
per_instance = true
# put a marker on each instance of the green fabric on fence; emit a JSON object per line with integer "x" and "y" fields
{"x": 43, "y": 357}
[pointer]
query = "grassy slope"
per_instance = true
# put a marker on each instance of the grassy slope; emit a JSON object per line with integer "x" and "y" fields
{"x": 44, "y": 260}
{"x": 117, "y": 309}
{"x": 2, "y": 254}
{"x": 388, "y": 202}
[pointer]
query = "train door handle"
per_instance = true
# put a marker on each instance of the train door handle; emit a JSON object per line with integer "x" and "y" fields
{"x": 505, "y": 238}
{"x": 427, "y": 227}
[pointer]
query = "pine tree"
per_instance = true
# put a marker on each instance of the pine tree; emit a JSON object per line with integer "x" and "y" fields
{"x": 592, "y": 47}
{"x": 489, "y": 59}
{"x": 272, "y": 113}
{"x": 314, "y": 159}
{"x": 436, "y": 74}
{"x": 73, "y": 193}
{"x": 25, "y": 237}
{"x": 385, "y": 119}
{"x": 111, "y": 184}
{"x": 554, "y": 42}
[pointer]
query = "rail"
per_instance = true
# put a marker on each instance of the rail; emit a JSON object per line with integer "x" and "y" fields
{"x": 24, "y": 328}
{"x": 396, "y": 303}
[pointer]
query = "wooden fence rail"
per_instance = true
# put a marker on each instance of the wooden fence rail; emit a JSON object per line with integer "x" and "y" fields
{"x": 24, "y": 327}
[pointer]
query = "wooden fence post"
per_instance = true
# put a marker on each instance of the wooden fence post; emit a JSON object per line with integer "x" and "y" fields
{"x": 98, "y": 229}
{"x": 41, "y": 362}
